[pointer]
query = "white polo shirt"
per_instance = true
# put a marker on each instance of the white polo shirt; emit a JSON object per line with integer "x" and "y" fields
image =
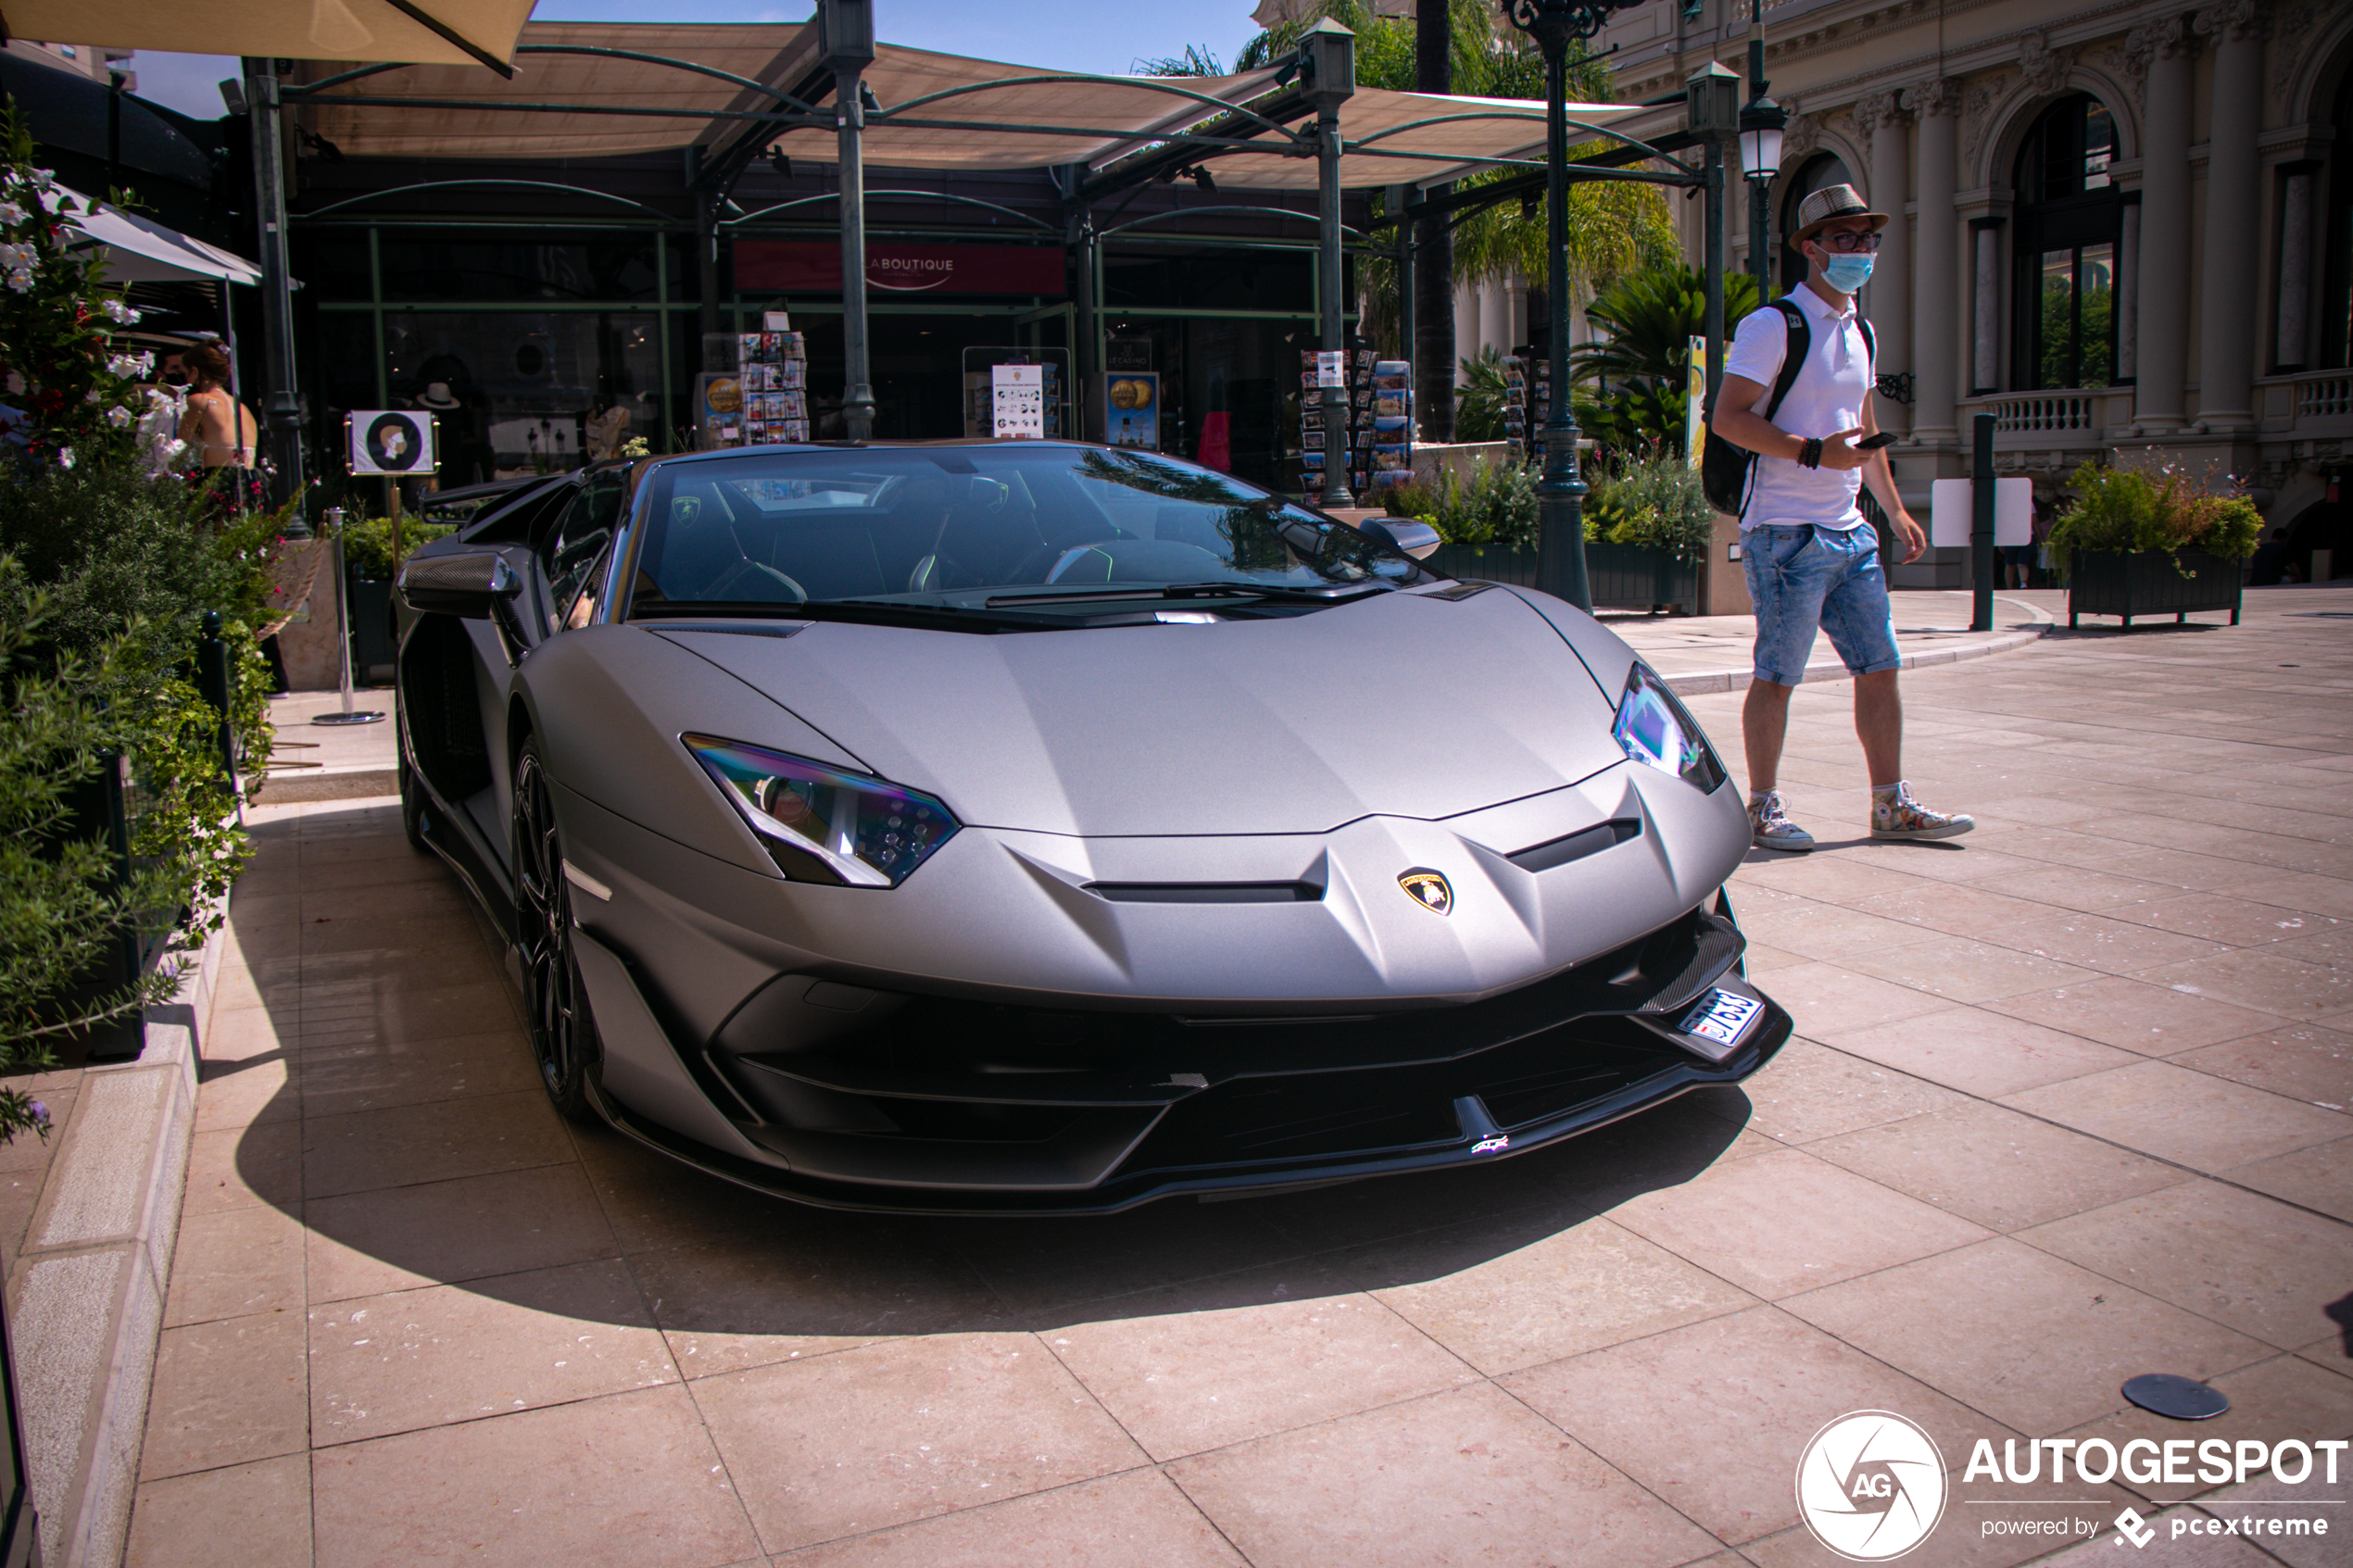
{"x": 1827, "y": 398}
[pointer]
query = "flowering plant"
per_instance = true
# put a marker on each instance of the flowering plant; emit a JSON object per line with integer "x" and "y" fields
{"x": 66, "y": 388}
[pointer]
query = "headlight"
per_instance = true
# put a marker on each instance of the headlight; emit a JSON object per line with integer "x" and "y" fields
{"x": 821, "y": 824}
{"x": 1653, "y": 728}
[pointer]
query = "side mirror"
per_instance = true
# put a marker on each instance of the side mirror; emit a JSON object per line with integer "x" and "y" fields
{"x": 1418, "y": 540}
{"x": 472, "y": 586}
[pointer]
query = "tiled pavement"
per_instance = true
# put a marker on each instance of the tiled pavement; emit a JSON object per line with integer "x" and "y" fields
{"x": 2070, "y": 1103}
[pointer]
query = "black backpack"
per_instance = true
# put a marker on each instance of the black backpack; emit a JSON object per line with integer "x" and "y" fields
{"x": 1726, "y": 470}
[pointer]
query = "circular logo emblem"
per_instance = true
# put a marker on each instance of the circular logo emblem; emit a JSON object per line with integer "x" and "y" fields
{"x": 1428, "y": 888}
{"x": 392, "y": 444}
{"x": 1871, "y": 1485}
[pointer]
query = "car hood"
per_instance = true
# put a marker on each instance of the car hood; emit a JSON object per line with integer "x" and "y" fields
{"x": 1401, "y": 705}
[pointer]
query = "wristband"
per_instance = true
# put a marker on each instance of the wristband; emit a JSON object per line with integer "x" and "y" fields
{"x": 1811, "y": 456}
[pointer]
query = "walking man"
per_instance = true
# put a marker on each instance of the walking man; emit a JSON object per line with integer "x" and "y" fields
{"x": 1811, "y": 559}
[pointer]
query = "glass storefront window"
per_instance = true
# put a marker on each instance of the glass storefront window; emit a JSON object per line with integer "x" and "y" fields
{"x": 426, "y": 267}
{"x": 1212, "y": 278}
{"x": 522, "y": 392}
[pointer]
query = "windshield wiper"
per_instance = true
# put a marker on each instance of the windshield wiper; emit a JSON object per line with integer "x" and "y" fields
{"x": 1333, "y": 592}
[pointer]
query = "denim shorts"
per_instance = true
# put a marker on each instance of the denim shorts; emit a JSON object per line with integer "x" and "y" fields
{"x": 1803, "y": 578}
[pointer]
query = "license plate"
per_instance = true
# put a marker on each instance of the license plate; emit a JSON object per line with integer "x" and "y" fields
{"x": 1721, "y": 1016}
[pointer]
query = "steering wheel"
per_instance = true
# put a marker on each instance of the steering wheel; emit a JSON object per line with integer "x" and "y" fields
{"x": 742, "y": 568}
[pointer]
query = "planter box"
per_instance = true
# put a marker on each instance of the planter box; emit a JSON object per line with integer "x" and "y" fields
{"x": 2145, "y": 583}
{"x": 1621, "y": 576}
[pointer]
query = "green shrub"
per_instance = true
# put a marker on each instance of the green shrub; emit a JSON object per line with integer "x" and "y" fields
{"x": 2129, "y": 510}
{"x": 1657, "y": 500}
{"x": 1416, "y": 498}
{"x": 366, "y": 545}
{"x": 1496, "y": 505}
{"x": 60, "y": 904}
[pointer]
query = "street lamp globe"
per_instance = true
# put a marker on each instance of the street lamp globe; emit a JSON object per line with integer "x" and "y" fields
{"x": 1761, "y": 123}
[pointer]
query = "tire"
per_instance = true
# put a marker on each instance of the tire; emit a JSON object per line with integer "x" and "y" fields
{"x": 563, "y": 1037}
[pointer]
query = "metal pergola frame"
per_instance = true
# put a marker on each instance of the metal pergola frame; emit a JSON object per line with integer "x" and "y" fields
{"x": 845, "y": 47}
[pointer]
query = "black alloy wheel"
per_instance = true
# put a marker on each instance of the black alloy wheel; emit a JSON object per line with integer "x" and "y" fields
{"x": 555, "y": 1006}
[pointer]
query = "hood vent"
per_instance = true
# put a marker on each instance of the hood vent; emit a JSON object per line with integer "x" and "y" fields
{"x": 1207, "y": 892}
{"x": 1577, "y": 846}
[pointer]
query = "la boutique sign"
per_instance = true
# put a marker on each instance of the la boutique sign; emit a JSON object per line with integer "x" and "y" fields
{"x": 814, "y": 266}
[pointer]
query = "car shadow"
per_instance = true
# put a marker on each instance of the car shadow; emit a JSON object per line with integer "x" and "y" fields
{"x": 508, "y": 1203}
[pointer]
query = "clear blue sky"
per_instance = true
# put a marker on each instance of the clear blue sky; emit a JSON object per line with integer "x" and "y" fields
{"x": 1064, "y": 35}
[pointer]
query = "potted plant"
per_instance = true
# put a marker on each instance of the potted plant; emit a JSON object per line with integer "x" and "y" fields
{"x": 369, "y": 568}
{"x": 1489, "y": 520}
{"x": 1647, "y": 528}
{"x": 2132, "y": 544}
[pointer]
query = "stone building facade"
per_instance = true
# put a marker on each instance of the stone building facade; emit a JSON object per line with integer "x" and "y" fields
{"x": 2125, "y": 230}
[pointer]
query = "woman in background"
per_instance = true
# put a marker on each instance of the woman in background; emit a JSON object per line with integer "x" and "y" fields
{"x": 219, "y": 431}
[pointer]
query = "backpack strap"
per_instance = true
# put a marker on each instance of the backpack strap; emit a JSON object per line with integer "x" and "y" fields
{"x": 1800, "y": 344}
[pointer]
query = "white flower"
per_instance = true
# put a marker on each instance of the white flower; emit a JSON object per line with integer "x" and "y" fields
{"x": 20, "y": 279}
{"x": 65, "y": 456}
{"x": 117, "y": 417}
{"x": 11, "y": 213}
{"x": 12, "y": 255}
{"x": 91, "y": 395}
{"x": 41, "y": 177}
{"x": 117, "y": 310}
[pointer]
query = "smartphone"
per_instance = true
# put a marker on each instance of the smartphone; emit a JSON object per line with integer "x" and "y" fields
{"x": 1873, "y": 443}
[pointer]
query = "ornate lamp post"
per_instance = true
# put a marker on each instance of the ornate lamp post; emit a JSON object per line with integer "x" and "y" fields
{"x": 846, "y": 42}
{"x": 1762, "y": 122}
{"x": 1560, "y": 548}
{"x": 1327, "y": 69}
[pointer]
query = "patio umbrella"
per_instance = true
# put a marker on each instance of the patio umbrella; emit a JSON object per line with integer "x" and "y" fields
{"x": 441, "y": 32}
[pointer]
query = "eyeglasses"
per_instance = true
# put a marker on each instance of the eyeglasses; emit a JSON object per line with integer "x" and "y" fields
{"x": 1850, "y": 242}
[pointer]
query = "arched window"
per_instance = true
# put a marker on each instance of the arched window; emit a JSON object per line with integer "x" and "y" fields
{"x": 2068, "y": 216}
{"x": 2336, "y": 305}
{"x": 1822, "y": 170}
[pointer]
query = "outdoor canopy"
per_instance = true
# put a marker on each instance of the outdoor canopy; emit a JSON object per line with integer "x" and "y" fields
{"x": 458, "y": 32}
{"x": 1012, "y": 125}
{"x": 141, "y": 251}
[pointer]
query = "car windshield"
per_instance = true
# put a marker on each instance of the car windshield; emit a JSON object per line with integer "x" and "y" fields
{"x": 965, "y": 529}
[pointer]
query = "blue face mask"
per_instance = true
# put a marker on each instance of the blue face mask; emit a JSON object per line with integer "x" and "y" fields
{"x": 1847, "y": 273}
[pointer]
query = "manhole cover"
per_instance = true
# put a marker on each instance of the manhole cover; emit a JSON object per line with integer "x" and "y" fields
{"x": 2180, "y": 1397}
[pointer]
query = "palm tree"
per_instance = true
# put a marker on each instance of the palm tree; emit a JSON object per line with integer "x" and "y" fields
{"x": 1647, "y": 320}
{"x": 1483, "y": 397}
{"x": 1197, "y": 60}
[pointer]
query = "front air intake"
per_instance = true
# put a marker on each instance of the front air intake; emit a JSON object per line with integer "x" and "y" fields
{"x": 1206, "y": 892}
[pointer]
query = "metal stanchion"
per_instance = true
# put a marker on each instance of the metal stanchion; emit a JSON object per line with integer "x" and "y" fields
{"x": 334, "y": 517}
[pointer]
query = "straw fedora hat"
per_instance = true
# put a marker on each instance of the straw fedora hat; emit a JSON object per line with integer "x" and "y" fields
{"x": 1827, "y": 206}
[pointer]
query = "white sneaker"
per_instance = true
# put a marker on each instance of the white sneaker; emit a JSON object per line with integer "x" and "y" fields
{"x": 1904, "y": 817}
{"x": 1770, "y": 827}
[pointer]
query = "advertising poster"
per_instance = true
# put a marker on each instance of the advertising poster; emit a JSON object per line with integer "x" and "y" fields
{"x": 1131, "y": 416}
{"x": 1017, "y": 395}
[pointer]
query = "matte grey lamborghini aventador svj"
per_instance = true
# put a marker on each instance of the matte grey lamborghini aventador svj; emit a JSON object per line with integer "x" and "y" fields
{"x": 1031, "y": 826}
